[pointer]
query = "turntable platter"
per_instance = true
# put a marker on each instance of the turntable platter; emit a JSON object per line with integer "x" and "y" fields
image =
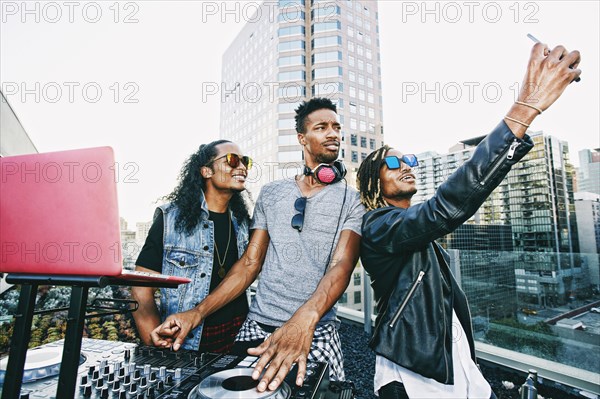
{"x": 233, "y": 384}
{"x": 40, "y": 363}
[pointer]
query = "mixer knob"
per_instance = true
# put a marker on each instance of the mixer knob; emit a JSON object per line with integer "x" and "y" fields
{"x": 127, "y": 381}
{"x": 122, "y": 394}
{"x": 99, "y": 383}
{"x": 160, "y": 386}
{"x": 133, "y": 388}
{"x": 104, "y": 393}
{"x": 84, "y": 380}
{"x": 178, "y": 373}
{"x": 137, "y": 375}
{"x": 117, "y": 365}
{"x": 169, "y": 379}
{"x": 132, "y": 367}
{"x": 91, "y": 370}
{"x": 106, "y": 370}
{"x": 87, "y": 391}
{"x": 111, "y": 377}
{"x": 147, "y": 369}
{"x": 116, "y": 386}
{"x": 143, "y": 383}
{"x": 127, "y": 355}
{"x": 197, "y": 361}
{"x": 122, "y": 372}
{"x": 152, "y": 377}
{"x": 162, "y": 372}
{"x": 102, "y": 363}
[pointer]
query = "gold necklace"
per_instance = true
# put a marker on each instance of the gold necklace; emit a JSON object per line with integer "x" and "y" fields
{"x": 222, "y": 271}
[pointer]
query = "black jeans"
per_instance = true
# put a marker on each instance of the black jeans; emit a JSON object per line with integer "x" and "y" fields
{"x": 395, "y": 390}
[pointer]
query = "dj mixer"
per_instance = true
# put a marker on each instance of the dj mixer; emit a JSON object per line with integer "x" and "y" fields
{"x": 116, "y": 370}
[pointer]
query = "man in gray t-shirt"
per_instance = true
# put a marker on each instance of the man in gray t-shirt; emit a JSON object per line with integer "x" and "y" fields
{"x": 305, "y": 240}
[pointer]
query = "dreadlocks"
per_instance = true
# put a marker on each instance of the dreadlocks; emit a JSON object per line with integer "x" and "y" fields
{"x": 191, "y": 184}
{"x": 367, "y": 179}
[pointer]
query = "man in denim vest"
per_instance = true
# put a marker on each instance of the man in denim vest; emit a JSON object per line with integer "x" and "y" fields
{"x": 200, "y": 234}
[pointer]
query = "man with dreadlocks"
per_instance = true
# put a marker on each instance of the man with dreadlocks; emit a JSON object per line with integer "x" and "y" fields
{"x": 305, "y": 244}
{"x": 423, "y": 314}
{"x": 199, "y": 234}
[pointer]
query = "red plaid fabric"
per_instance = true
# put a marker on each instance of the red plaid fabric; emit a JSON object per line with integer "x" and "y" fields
{"x": 219, "y": 338}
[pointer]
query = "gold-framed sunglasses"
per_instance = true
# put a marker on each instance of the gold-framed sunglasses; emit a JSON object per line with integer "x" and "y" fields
{"x": 234, "y": 160}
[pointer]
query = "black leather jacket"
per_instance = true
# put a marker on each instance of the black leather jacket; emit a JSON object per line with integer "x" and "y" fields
{"x": 414, "y": 322}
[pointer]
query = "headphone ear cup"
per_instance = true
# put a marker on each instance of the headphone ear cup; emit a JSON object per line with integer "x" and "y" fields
{"x": 339, "y": 165}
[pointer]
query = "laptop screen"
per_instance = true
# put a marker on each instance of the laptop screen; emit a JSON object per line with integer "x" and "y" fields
{"x": 59, "y": 213}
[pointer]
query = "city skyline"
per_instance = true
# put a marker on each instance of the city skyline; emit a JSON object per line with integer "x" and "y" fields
{"x": 429, "y": 57}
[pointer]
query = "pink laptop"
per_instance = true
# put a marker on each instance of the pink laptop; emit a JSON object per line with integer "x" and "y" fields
{"x": 59, "y": 215}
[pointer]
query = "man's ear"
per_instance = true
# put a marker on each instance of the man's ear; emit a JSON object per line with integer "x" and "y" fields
{"x": 206, "y": 172}
{"x": 301, "y": 139}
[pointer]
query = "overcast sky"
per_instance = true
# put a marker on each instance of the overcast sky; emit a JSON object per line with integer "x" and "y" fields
{"x": 130, "y": 75}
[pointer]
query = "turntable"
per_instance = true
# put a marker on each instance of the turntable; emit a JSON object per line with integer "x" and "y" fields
{"x": 235, "y": 383}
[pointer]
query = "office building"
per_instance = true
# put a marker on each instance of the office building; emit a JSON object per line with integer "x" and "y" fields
{"x": 589, "y": 171}
{"x": 292, "y": 52}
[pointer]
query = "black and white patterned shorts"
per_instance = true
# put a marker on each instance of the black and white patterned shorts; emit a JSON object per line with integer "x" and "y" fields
{"x": 326, "y": 345}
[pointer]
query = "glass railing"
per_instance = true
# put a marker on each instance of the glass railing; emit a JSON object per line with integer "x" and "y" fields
{"x": 536, "y": 304}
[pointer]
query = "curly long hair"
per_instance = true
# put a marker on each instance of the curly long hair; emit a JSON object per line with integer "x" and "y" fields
{"x": 191, "y": 183}
{"x": 368, "y": 182}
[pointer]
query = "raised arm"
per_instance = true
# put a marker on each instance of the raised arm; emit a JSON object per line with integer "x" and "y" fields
{"x": 291, "y": 342}
{"x": 177, "y": 326}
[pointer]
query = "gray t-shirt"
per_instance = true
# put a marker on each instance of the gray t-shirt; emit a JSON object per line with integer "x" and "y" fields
{"x": 295, "y": 261}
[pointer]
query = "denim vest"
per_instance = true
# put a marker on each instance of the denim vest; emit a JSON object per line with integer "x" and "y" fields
{"x": 191, "y": 256}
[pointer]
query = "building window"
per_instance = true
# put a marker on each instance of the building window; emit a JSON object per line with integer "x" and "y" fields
{"x": 372, "y": 144}
{"x": 357, "y": 298}
{"x": 326, "y": 41}
{"x": 352, "y": 108}
{"x": 326, "y": 26}
{"x": 285, "y": 3}
{"x": 351, "y": 60}
{"x": 354, "y": 156}
{"x": 356, "y": 279}
{"x": 352, "y": 91}
{"x": 292, "y": 60}
{"x": 344, "y": 298}
{"x": 363, "y": 142}
{"x": 291, "y": 76}
{"x": 350, "y": 46}
{"x": 291, "y": 15}
{"x": 363, "y": 156}
{"x": 351, "y": 76}
{"x": 291, "y": 30}
{"x": 286, "y": 124}
{"x": 353, "y": 139}
{"x": 330, "y": 72}
{"x": 329, "y": 56}
{"x": 353, "y": 124}
{"x": 329, "y": 10}
{"x": 327, "y": 89}
{"x": 291, "y": 46}
{"x": 287, "y": 107}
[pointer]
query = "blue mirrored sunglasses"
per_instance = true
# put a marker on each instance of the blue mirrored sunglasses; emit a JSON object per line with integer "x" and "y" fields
{"x": 393, "y": 162}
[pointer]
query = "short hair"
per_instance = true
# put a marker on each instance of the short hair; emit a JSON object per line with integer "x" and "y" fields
{"x": 367, "y": 179}
{"x": 308, "y": 107}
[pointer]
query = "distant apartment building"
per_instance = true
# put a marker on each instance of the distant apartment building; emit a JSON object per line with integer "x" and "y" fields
{"x": 589, "y": 171}
{"x": 536, "y": 201}
{"x": 587, "y": 209}
{"x": 298, "y": 50}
